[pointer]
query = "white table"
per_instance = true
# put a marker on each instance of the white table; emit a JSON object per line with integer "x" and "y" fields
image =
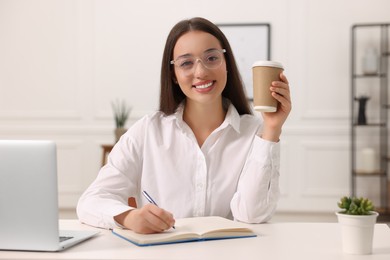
{"x": 314, "y": 241}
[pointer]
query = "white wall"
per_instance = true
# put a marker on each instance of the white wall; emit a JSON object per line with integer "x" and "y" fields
{"x": 63, "y": 62}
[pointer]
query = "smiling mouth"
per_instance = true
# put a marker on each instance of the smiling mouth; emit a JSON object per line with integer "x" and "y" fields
{"x": 207, "y": 85}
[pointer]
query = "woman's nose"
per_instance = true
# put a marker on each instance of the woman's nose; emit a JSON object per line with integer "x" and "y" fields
{"x": 199, "y": 68}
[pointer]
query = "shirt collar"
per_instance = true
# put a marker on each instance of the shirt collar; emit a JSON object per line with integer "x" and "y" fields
{"x": 179, "y": 115}
{"x": 232, "y": 117}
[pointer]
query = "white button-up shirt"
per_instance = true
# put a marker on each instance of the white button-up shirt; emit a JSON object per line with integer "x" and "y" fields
{"x": 235, "y": 174}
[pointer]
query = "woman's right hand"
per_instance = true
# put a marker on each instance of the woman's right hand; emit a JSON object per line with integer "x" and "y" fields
{"x": 146, "y": 220}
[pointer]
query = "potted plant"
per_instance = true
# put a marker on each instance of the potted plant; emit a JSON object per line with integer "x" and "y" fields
{"x": 121, "y": 115}
{"x": 357, "y": 218}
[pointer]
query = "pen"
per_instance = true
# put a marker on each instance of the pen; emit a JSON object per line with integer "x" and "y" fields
{"x": 150, "y": 199}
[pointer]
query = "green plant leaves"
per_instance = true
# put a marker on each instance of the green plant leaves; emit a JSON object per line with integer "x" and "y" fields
{"x": 355, "y": 206}
{"x": 121, "y": 113}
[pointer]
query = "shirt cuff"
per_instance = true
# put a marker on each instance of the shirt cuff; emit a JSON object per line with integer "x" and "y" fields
{"x": 115, "y": 211}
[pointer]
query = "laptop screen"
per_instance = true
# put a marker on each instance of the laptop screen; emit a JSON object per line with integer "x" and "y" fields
{"x": 28, "y": 195}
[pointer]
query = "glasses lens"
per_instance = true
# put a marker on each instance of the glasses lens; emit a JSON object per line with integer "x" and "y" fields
{"x": 185, "y": 63}
{"x": 212, "y": 59}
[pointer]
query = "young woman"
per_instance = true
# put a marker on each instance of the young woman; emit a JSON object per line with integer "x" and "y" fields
{"x": 202, "y": 154}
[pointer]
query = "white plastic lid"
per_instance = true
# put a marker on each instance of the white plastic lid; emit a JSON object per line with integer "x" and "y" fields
{"x": 265, "y": 109}
{"x": 268, "y": 63}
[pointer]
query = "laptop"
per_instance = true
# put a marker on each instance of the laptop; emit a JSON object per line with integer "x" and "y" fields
{"x": 29, "y": 198}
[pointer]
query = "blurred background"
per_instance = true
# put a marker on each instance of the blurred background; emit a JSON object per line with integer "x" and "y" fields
{"x": 63, "y": 63}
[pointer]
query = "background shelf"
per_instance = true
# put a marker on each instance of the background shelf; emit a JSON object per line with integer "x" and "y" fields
{"x": 362, "y": 173}
{"x": 378, "y": 82}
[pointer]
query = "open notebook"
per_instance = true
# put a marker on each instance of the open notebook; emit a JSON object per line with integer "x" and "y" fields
{"x": 189, "y": 230}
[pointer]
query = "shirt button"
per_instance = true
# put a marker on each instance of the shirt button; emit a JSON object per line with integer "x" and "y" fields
{"x": 200, "y": 185}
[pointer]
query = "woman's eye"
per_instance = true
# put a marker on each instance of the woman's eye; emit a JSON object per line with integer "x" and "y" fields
{"x": 212, "y": 58}
{"x": 186, "y": 63}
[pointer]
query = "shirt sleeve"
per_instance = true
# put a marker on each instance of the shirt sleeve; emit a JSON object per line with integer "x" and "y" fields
{"x": 258, "y": 187}
{"x": 118, "y": 180}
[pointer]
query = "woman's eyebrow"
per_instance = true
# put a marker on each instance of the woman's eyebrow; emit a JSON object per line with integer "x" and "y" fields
{"x": 211, "y": 49}
{"x": 184, "y": 55}
{"x": 190, "y": 55}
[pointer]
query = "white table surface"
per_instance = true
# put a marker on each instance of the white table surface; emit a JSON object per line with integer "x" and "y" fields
{"x": 314, "y": 241}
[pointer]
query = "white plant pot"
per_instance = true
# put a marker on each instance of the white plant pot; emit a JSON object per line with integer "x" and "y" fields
{"x": 118, "y": 133}
{"x": 357, "y": 232}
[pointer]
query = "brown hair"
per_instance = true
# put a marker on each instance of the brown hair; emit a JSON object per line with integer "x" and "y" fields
{"x": 171, "y": 95}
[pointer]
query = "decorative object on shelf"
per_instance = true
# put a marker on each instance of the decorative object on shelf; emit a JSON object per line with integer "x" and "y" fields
{"x": 370, "y": 78}
{"x": 362, "y": 109}
{"x": 370, "y": 62}
{"x": 121, "y": 115}
{"x": 368, "y": 160}
{"x": 357, "y": 219}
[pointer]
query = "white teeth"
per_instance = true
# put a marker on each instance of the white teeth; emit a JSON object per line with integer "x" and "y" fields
{"x": 205, "y": 85}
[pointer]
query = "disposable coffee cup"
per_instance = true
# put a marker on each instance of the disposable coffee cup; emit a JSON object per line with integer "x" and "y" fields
{"x": 264, "y": 72}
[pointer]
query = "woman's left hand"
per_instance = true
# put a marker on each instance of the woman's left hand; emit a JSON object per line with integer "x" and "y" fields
{"x": 273, "y": 121}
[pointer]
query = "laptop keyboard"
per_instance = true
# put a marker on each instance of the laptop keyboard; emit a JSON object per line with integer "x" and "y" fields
{"x": 62, "y": 239}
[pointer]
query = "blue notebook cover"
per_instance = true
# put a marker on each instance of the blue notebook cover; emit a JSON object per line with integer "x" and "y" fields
{"x": 190, "y": 230}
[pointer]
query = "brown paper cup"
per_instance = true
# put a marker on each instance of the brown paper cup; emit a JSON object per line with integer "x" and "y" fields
{"x": 264, "y": 72}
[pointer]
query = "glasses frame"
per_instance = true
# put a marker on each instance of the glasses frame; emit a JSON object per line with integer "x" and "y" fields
{"x": 222, "y": 51}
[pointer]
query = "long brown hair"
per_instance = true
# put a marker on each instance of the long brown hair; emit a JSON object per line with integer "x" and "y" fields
{"x": 171, "y": 95}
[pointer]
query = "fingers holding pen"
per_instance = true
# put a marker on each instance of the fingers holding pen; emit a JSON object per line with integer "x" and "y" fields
{"x": 164, "y": 215}
{"x": 150, "y": 219}
{"x": 160, "y": 217}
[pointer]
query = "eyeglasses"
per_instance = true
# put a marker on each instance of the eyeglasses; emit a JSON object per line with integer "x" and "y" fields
{"x": 211, "y": 59}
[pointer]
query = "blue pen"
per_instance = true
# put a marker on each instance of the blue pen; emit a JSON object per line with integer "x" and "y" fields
{"x": 150, "y": 199}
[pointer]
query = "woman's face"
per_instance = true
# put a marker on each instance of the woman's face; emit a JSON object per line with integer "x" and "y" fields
{"x": 193, "y": 53}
